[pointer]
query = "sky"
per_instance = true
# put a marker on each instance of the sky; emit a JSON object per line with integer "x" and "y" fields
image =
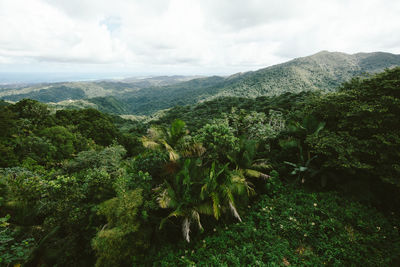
{"x": 190, "y": 37}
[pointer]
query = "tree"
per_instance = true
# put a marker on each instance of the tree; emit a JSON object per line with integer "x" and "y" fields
{"x": 124, "y": 238}
{"x": 181, "y": 194}
{"x": 91, "y": 123}
{"x": 362, "y": 132}
{"x": 219, "y": 140}
{"x": 244, "y": 160}
{"x": 7, "y": 122}
{"x": 299, "y": 133}
{"x": 34, "y": 111}
{"x": 174, "y": 140}
{"x": 220, "y": 186}
{"x": 62, "y": 139}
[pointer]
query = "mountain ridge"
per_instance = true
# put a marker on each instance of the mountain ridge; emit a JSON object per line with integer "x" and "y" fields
{"x": 323, "y": 71}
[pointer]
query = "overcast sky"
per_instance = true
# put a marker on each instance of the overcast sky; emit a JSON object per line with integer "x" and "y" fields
{"x": 187, "y": 36}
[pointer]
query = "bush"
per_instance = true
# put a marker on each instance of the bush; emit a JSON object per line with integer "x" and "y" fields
{"x": 13, "y": 250}
{"x": 296, "y": 228}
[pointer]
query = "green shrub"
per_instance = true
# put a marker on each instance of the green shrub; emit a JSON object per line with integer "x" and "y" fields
{"x": 296, "y": 228}
{"x": 14, "y": 248}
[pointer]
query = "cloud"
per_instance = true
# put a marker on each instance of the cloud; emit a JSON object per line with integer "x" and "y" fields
{"x": 237, "y": 15}
{"x": 39, "y": 31}
{"x": 201, "y": 36}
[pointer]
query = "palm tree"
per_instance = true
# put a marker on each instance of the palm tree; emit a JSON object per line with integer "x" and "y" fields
{"x": 196, "y": 191}
{"x": 181, "y": 195}
{"x": 174, "y": 140}
{"x": 245, "y": 163}
{"x": 309, "y": 127}
{"x": 220, "y": 186}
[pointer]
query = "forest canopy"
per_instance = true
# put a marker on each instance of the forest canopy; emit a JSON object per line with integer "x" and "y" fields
{"x": 294, "y": 179}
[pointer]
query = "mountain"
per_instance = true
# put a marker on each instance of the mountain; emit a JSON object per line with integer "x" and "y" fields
{"x": 158, "y": 80}
{"x": 148, "y": 100}
{"x": 53, "y": 94}
{"x": 109, "y": 104}
{"x": 61, "y": 91}
{"x": 322, "y": 71}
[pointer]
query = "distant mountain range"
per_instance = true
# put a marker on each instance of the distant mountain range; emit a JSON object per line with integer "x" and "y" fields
{"x": 322, "y": 71}
{"x": 103, "y": 87}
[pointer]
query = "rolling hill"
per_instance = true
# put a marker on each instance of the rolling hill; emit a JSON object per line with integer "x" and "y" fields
{"x": 61, "y": 91}
{"x": 323, "y": 71}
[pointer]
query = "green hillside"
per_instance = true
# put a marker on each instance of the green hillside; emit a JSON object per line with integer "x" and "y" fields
{"x": 109, "y": 104}
{"x": 323, "y": 71}
{"x": 150, "y": 100}
{"x": 54, "y": 94}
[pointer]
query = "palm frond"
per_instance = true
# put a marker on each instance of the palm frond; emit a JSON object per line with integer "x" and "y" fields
{"x": 255, "y": 174}
{"x": 252, "y": 173}
{"x": 166, "y": 195}
{"x": 216, "y": 205}
{"x": 173, "y": 155}
{"x": 232, "y": 159}
{"x": 149, "y": 143}
{"x": 186, "y": 229}
{"x": 264, "y": 176}
{"x": 156, "y": 133}
{"x": 234, "y": 211}
{"x": 162, "y": 223}
{"x": 290, "y": 163}
{"x": 240, "y": 185}
{"x": 203, "y": 191}
{"x": 320, "y": 126}
{"x": 196, "y": 218}
{"x": 164, "y": 199}
{"x": 205, "y": 208}
{"x": 261, "y": 164}
{"x": 192, "y": 149}
{"x": 223, "y": 169}
{"x": 175, "y": 213}
{"x": 176, "y": 131}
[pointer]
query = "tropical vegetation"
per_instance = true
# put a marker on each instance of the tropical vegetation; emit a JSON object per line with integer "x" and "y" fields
{"x": 295, "y": 179}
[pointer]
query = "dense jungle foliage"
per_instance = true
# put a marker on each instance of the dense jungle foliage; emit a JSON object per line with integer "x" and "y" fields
{"x": 304, "y": 179}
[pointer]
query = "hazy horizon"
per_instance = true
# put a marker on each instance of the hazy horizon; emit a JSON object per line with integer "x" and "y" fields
{"x": 33, "y": 77}
{"x": 54, "y": 77}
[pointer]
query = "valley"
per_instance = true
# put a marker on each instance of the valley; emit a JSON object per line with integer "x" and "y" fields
{"x": 324, "y": 71}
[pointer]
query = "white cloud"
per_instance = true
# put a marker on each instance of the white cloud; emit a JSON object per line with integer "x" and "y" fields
{"x": 199, "y": 36}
